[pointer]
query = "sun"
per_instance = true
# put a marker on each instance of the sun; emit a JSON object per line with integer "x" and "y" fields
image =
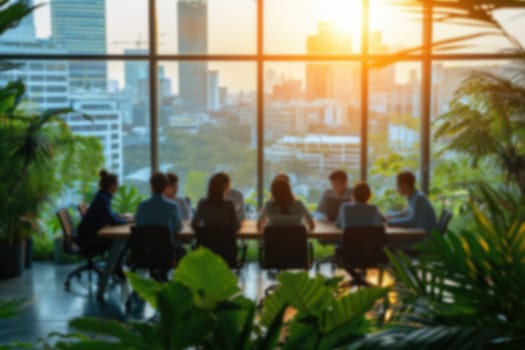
{"x": 345, "y": 14}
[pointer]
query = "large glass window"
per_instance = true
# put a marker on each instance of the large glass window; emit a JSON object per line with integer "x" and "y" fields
{"x": 305, "y": 119}
{"x": 207, "y": 123}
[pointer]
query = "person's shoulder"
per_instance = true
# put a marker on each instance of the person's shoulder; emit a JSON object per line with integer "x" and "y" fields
{"x": 170, "y": 202}
{"x": 328, "y": 193}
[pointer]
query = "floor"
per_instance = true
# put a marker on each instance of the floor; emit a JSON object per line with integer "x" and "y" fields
{"x": 49, "y": 307}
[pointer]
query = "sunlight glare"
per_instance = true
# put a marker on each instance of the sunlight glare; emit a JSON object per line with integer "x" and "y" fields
{"x": 345, "y": 14}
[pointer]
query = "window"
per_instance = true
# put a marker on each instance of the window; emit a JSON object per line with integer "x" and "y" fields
{"x": 207, "y": 123}
{"x": 294, "y": 102}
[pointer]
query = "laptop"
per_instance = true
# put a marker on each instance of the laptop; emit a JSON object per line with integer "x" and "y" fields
{"x": 332, "y": 207}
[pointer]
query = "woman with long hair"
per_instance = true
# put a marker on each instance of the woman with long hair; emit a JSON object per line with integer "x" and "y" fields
{"x": 284, "y": 209}
{"x": 215, "y": 210}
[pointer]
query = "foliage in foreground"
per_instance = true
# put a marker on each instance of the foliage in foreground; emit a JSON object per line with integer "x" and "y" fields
{"x": 202, "y": 307}
{"x": 466, "y": 290}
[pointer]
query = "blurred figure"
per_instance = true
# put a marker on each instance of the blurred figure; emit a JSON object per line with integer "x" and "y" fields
{"x": 283, "y": 209}
{"x": 215, "y": 210}
{"x": 171, "y": 193}
{"x": 158, "y": 210}
{"x": 359, "y": 212}
{"x": 237, "y": 198}
{"x": 100, "y": 214}
{"x": 333, "y": 198}
{"x": 283, "y": 177}
{"x": 420, "y": 212}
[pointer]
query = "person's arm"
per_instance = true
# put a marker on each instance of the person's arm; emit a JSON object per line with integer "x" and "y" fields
{"x": 177, "y": 219}
{"x": 379, "y": 219}
{"x": 183, "y": 209}
{"x": 261, "y": 220}
{"x": 197, "y": 217}
{"x": 415, "y": 211}
{"x": 236, "y": 223}
{"x": 112, "y": 217}
{"x": 139, "y": 216}
{"x": 322, "y": 206}
{"x": 340, "y": 221}
{"x": 310, "y": 223}
{"x": 242, "y": 211}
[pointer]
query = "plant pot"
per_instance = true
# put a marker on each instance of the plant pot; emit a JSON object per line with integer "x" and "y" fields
{"x": 11, "y": 259}
{"x": 28, "y": 256}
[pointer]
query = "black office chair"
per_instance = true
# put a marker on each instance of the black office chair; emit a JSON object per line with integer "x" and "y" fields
{"x": 444, "y": 220}
{"x": 223, "y": 242}
{"x": 70, "y": 247}
{"x": 151, "y": 248}
{"x": 285, "y": 248}
{"x": 362, "y": 249}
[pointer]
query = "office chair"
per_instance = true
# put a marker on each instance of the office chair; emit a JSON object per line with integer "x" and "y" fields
{"x": 70, "y": 247}
{"x": 82, "y": 209}
{"x": 362, "y": 249}
{"x": 223, "y": 242}
{"x": 444, "y": 220}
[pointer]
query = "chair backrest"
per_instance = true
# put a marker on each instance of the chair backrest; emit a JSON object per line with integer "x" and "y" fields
{"x": 363, "y": 247}
{"x": 220, "y": 240}
{"x": 68, "y": 229}
{"x": 82, "y": 209}
{"x": 285, "y": 247}
{"x": 444, "y": 220}
{"x": 150, "y": 247}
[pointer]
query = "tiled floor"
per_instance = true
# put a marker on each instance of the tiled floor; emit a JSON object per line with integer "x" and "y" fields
{"x": 49, "y": 307}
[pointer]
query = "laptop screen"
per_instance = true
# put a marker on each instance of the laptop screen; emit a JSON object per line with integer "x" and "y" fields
{"x": 332, "y": 207}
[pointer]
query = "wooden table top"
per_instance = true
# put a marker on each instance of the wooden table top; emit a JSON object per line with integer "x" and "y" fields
{"x": 323, "y": 230}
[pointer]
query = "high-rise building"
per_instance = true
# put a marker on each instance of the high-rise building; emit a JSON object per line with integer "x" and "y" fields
{"x": 106, "y": 125}
{"x": 213, "y": 91}
{"x": 324, "y": 80}
{"x": 134, "y": 71}
{"x": 79, "y": 26}
{"x": 47, "y": 84}
{"x": 193, "y": 39}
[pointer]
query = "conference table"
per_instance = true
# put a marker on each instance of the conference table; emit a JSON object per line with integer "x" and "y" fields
{"x": 324, "y": 230}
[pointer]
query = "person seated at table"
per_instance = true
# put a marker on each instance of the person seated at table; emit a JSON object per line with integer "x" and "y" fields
{"x": 237, "y": 198}
{"x": 359, "y": 212}
{"x": 284, "y": 209}
{"x": 333, "y": 198}
{"x": 160, "y": 211}
{"x": 215, "y": 210}
{"x": 100, "y": 214}
{"x": 282, "y": 176}
{"x": 420, "y": 212}
{"x": 171, "y": 193}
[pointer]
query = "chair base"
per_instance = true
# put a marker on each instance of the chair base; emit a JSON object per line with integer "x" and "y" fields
{"x": 90, "y": 267}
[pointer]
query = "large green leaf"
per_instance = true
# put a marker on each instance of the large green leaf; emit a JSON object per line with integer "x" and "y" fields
{"x": 208, "y": 277}
{"x": 147, "y": 288}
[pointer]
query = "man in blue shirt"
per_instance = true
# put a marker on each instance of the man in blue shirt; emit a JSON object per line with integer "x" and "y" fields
{"x": 420, "y": 212}
{"x": 160, "y": 211}
{"x": 333, "y": 198}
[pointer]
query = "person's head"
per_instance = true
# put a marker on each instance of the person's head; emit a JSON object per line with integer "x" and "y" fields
{"x": 406, "y": 183}
{"x": 282, "y": 195}
{"x": 158, "y": 182}
{"x": 108, "y": 182}
{"x": 173, "y": 185}
{"x": 361, "y": 192}
{"x": 339, "y": 181}
{"x": 218, "y": 186}
{"x": 283, "y": 177}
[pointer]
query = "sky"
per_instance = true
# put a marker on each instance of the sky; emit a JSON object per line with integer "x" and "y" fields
{"x": 232, "y": 30}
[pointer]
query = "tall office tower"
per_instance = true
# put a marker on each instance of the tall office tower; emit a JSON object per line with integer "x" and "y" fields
{"x": 213, "y": 91}
{"x": 193, "y": 39}
{"x": 325, "y": 80}
{"x": 25, "y": 31}
{"x": 79, "y": 26}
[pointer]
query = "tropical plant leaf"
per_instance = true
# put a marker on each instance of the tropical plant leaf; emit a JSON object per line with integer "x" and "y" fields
{"x": 208, "y": 277}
